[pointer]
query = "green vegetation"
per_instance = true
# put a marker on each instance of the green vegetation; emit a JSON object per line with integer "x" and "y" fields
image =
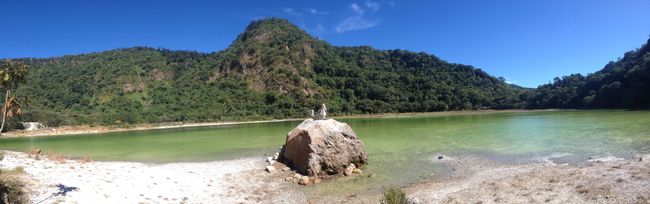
{"x": 621, "y": 84}
{"x": 394, "y": 196}
{"x": 272, "y": 70}
{"x": 276, "y": 70}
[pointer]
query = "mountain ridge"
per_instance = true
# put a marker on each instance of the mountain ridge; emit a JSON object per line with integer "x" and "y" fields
{"x": 273, "y": 69}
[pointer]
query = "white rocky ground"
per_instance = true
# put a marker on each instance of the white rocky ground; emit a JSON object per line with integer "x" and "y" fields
{"x": 244, "y": 181}
{"x": 601, "y": 180}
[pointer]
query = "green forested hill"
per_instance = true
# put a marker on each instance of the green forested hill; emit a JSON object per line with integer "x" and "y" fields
{"x": 272, "y": 70}
{"x": 621, "y": 84}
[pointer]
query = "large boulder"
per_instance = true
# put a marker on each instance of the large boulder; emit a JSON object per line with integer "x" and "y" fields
{"x": 323, "y": 147}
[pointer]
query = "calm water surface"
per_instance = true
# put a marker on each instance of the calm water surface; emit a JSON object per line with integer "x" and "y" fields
{"x": 400, "y": 149}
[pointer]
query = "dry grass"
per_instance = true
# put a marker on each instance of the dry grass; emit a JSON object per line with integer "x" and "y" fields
{"x": 38, "y": 154}
{"x": 13, "y": 188}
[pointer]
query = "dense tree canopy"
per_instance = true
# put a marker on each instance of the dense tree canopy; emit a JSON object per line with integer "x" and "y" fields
{"x": 621, "y": 84}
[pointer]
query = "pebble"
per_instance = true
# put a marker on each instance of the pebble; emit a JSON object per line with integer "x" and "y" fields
{"x": 304, "y": 180}
{"x": 270, "y": 169}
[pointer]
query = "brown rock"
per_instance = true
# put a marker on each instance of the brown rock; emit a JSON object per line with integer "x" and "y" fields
{"x": 323, "y": 147}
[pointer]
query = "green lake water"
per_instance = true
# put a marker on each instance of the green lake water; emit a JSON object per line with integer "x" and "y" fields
{"x": 400, "y": 149}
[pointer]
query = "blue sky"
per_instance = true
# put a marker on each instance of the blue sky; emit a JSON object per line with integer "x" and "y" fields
{"x": 527, "y": 42}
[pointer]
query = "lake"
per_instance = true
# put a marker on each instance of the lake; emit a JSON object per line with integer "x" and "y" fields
{"x": 400, "y": 149}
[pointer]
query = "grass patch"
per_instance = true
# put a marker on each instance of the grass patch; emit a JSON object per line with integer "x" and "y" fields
{"x": 394, "y": 196}
{"x": 13, "y": 189}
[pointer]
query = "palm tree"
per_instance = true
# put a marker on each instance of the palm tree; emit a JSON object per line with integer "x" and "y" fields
{"x": 11, "y": 73}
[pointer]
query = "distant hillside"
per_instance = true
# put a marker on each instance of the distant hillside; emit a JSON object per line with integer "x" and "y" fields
{"x": 272, "y": 70}
{"x": 621, "y": 84}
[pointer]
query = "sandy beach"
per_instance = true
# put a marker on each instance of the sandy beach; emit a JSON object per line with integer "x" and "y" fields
{"x": 132, "y": 182}
{"x": 607, "y": 180}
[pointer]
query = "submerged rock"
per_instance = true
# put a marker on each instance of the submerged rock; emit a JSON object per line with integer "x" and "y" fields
{"x": 323, "y": 147}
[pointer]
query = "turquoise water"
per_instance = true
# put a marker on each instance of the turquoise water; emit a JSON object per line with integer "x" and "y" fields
{"x": 400, "y": 149}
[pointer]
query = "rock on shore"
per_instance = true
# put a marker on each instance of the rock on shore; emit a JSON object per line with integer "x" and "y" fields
{"x": 323, "y": 147}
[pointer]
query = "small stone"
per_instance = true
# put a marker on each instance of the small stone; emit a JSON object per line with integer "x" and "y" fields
{"x": 316, "y": 180}
{"x": 297, "y": 176}
{"x": 304, "y": 180}
{"x": 643, "y": 157}
{"x": 271, "y": 162}
{"x": 413, "y": 201}
{"x": 357, "y": 171}
{"x": 269, "y": 159}
{"x": 275, "y": 157}
{"x": 270, "y": 169}
{"x": 286, "y": 169}
{"x": 348, "y": 170}
{"x": 289, "y": 178}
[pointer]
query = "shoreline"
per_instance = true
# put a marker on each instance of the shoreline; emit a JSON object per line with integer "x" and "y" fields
{"x": 86, "y": 129}
{"x": 472, "y": 180}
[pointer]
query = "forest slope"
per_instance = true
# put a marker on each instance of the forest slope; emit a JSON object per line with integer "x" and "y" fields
{"x": 272, "y": 70}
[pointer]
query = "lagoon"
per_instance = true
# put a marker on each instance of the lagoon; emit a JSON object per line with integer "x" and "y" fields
{"x": 401, "y": 150}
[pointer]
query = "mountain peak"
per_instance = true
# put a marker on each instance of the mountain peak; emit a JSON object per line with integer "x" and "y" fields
{"x": 276, "y": 22}
{"x": 271, "y": 29}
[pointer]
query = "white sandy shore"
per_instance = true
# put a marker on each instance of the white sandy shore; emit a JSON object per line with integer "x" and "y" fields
{"x": 132, "y": 182}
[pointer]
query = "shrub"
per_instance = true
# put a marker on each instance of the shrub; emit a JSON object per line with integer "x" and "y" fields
{"x": 13, "y": 187}
{"x": 394, "y": 196}
{"x": 13, "y": 124}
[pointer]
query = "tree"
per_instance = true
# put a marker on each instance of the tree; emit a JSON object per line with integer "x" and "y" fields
{"x": 11, "y": 73}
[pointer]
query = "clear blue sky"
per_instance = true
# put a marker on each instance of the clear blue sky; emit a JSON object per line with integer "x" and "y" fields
{"x": 527, "y": 42}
